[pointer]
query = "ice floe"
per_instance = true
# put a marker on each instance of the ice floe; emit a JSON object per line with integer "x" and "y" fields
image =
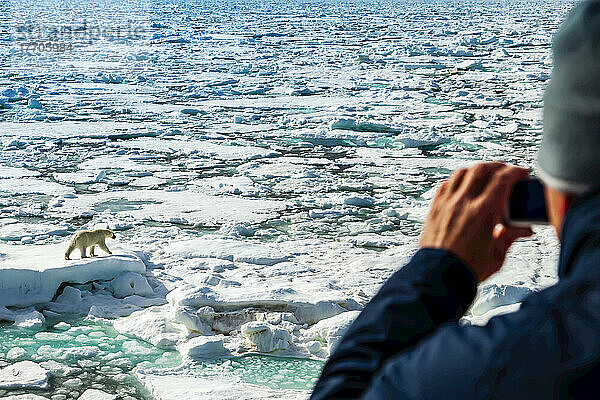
{"x": 31, "y": 274}
{"x": 24, "y": 375}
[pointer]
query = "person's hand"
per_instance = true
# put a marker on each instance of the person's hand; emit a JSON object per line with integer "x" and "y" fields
{"x": 466, "y": 214}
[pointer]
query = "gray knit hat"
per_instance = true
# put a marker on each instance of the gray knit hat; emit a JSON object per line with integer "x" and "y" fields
{"x": 569, "y": 157}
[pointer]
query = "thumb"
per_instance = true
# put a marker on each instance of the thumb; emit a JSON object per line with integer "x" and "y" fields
{"x": 506, "y": 236}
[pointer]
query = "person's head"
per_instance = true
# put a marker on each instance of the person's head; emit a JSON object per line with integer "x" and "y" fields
{"x": 569, "y": 158}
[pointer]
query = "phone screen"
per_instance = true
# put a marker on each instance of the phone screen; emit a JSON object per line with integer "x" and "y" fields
{"x": 527, "y": 202}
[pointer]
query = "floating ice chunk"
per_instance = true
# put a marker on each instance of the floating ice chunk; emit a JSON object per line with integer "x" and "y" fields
{"x": 10, "y": 92}
{"x": 461, "y": 51}
{"x": 317, "y": 214}
{"x": 351, "y": 124}
{"x": 81, "y": 177}
{"x": 27, "y": 396}
{"x": 200, "y": 147}
{"x": 73, "y": 383}
{"x": 420, "y": 138}
{"x": 71, "y": 353}
{"x": 108, "y": 78}
{"x": 193, "y": 111}
{"x": 228, "y": 321}
{"x": 500, "y": 53}
{"x": 62, "y": 326}
{"x": 144, "y": 302}
{"x": 478, "y": 40}
{"x": 222, "y": 82}
{"x": 225, "y": 185}
{"x": 314, "y": 347}
{"x": 153, "y": 326}
{"x": 12, "y": 172}
{"x": 95, "y": 394}
{"x": 19, "y": 186}
{"x": 279, "y": 294}
{"x": 497, "y": 295}
{"x": 135, "y": 348}
{"x": 231, "y": 250}
{"x": 374, "y": 240}
{"x": 193, "y": 322}
{"x": 70, "y": 295}
{"x": 21, "y": 230}
{"x": 24, "y": 375}
{"x": 130, "y": 283}
{"x": 243, "y": 229}
{"x": 312, "y": 313}
{"x": 484, "y": 318}
{"x": 14, "y": 144}
{"x": 148, "y": 181}
{"x": 30, "y": 319}
{"x": 511, "y": 127}
{"x": 53, "y": 336}
{"x": 175, "y": 386}
{"x": 266, "y": 337}
{"x": 469, "y": 65}
{"x": 359, "y": 200}
{"x": 203, "y": 347}
{"x": 332, "y": 329}
{"x": 301, "y": 91}
{"x": 15, "y": 353}
{"x": 59, "y": 369}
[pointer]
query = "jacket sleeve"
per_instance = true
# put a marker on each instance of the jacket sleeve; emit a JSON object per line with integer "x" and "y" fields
{"x": 433, "y": 288}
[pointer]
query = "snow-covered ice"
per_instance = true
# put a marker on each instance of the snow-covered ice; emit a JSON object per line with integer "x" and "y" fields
{"x": 32, "y": 274}
{"x": 266, "y": 169}
{"x": 24, "y": 375}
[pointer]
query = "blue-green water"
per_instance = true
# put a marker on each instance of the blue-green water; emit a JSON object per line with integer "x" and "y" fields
{"x": 101, "y": 358}
{"x": 273, "y": 372}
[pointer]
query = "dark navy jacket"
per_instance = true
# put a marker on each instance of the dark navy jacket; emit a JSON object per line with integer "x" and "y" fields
{"x": 407, "y": 344}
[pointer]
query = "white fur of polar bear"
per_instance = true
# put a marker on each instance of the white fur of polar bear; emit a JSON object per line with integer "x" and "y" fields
{"x": 89, "y": 239}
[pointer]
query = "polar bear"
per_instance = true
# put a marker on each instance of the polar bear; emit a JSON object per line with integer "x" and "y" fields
{"x": 84, "y": 239}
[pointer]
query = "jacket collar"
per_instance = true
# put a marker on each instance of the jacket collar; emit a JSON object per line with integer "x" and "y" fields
{"x": 580, "y": 231}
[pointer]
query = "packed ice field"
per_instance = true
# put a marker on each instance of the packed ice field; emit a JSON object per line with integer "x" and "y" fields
{"x": 265, "y": 167}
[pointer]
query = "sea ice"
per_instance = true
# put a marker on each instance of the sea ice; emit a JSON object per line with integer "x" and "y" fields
{"x": 48, "y": 352}
{"x": 153, "y": 326}
{"x": 31, "y": 274}
{"x": 95, "y": 394}
{"x": 266, "y": 337}
{"x": 20, "y": 186}
{"x": 20, "y": 230}
{"x": 180, "y": 207}
{"x": 203, "y": 347}
{"x": 231, "y": 250}
{"x": 24, "y": 375}
{"x": 15, "y": 353}
{"x": 29, "y": 319}
{"x": 331, "y": 330}
{"x": 130, "y": 283}
{"x": 177, "y": 387}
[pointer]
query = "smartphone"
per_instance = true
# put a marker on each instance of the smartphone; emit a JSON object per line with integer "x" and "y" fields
{"x": 527, "y": 205}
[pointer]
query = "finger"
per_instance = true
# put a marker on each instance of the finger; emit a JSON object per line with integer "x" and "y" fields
{"x": 456, "y": 179}
{"x": 506, "y": 236}
{"x": 501, "y": 185}
{"x": 479, "y": 176}
{"x": 442, "y": 189}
